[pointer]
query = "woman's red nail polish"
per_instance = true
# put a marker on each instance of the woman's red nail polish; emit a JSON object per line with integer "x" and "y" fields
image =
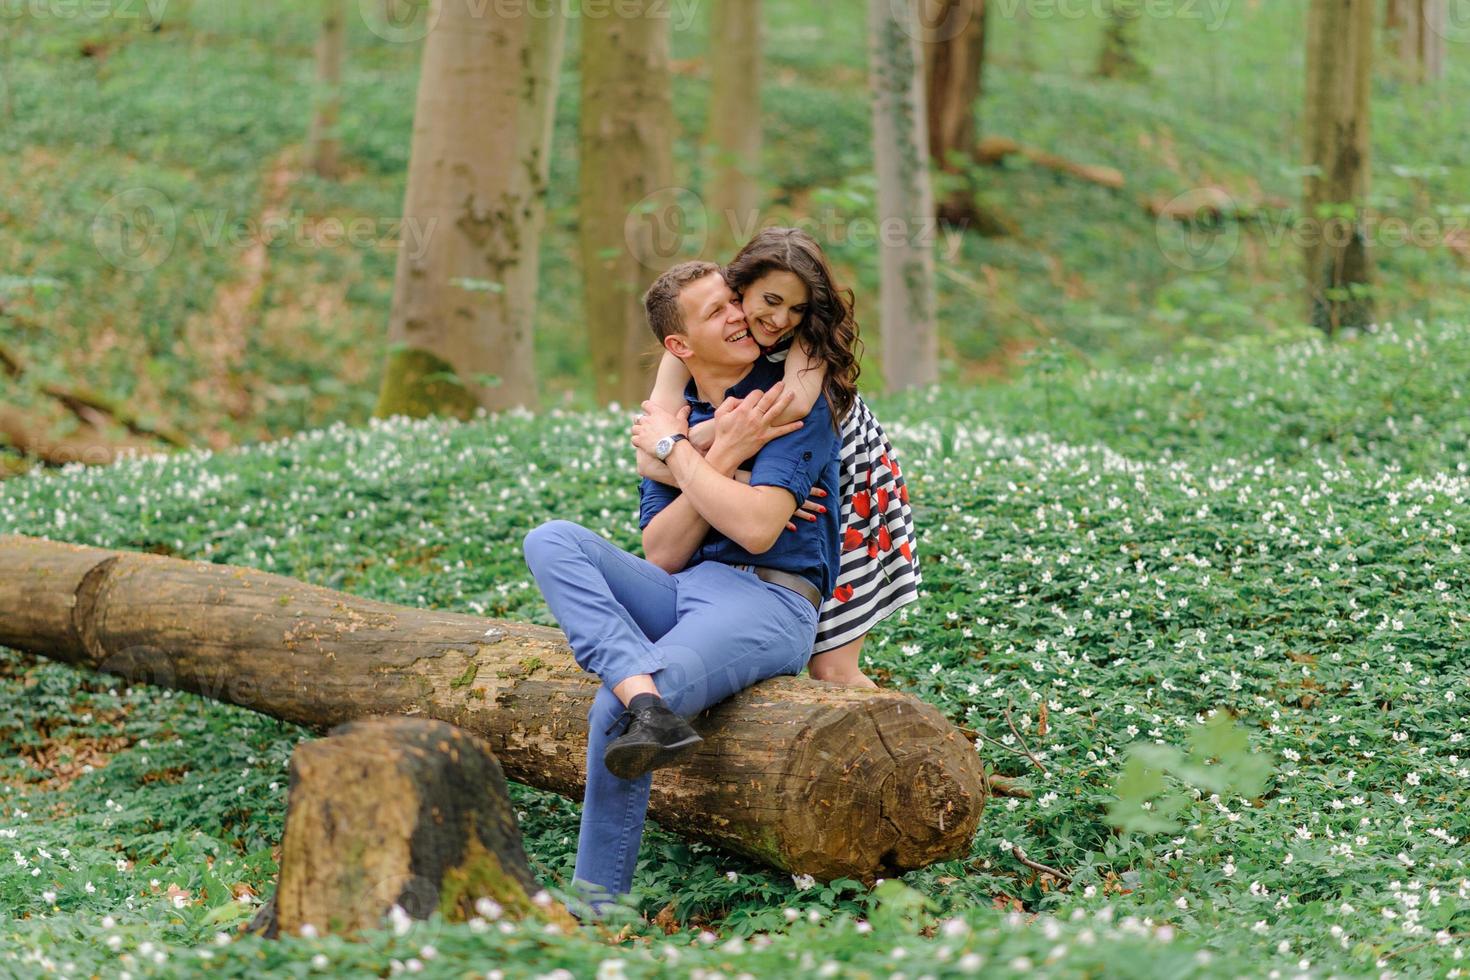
{"x": 821, "y": 509}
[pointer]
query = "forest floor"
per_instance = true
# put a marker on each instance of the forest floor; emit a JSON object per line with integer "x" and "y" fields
{"x": 1271, "y": 537}
{"x": 160, "y": 245}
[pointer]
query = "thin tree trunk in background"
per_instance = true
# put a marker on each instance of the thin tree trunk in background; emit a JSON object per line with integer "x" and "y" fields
{"x": 464, "y": 295}
{"x": 906, "y": 228}
{"x": 1119, "y": 56}
{"x": 954, "y": 58}
{"x": 734, "y": 126}
{"x": 1339, "y": 67}
{"x": 7, "y": 77}
{"x": 324, "y": 144}
{"x": 1415, "y": 31}
{"x": 626, "y": 136}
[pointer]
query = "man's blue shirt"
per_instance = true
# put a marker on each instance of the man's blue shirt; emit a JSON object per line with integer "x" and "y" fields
{"x": 797, "y": 461}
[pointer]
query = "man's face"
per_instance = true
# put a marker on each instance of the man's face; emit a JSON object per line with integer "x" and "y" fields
{"x": 715, "y": 333}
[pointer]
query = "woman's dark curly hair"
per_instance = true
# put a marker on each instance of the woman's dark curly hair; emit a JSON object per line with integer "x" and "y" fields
{"x": 828, "y": 330}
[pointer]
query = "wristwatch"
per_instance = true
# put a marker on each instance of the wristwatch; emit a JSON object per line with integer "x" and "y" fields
{"x": 664, "y": 446}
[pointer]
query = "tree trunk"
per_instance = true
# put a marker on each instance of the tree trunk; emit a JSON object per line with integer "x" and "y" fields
{"x": 734, "y": 125}
{"x": 1416, "y": 30}
{"x": 464, "y": 295}
{"x": 954, "y": 58}
{"x": 808, "y": 777}
{"x": 627, "y": 154}
{"x": 324, "y": 144}
{"x": 397, "y": 811}
{"x": 1119, "y": 55}
{"x": 1339, "y": 65}
{"x": 906, "y": 223}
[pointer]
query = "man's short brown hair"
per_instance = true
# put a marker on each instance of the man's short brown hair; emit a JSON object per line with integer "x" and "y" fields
{"x": 661, "y": 302}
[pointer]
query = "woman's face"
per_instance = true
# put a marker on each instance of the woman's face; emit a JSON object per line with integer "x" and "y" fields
{"x": 774, "y": 305}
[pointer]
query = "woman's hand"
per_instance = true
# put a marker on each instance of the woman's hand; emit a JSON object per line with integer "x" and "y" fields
{"x": 809, "y": 510}
{"x": 744, "y": 425}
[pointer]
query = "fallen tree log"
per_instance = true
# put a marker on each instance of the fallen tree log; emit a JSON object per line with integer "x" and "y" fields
{"x": 398, "y": 811}
{"x": 992, "y": 150}
{"x": 808, "y": 777}
{"x": 1212, "y": 204}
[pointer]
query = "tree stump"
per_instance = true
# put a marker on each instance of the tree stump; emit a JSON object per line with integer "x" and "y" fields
{"x": 398, "y": 811}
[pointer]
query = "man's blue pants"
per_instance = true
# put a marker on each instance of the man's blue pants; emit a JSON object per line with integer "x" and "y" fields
{"x": 703, "y": 634}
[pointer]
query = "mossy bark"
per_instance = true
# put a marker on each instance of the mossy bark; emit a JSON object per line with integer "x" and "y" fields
{"x": 464, "y": 290}
{"x": 418, "y": 384}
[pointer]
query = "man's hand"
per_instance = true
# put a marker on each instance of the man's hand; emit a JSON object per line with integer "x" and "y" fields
{"x": 655, "y": 423}
{"x": 744, "y": 425}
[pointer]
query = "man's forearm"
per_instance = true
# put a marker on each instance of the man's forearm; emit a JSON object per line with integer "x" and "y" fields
{"x": 749, "y": 516}
{"x": 678, "y": 530}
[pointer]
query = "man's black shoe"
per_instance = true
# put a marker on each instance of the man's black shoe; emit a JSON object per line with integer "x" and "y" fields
{"x": 656, "y": 737}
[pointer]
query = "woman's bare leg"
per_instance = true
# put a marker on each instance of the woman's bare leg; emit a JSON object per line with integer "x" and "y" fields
{"x": 840, "y": 665}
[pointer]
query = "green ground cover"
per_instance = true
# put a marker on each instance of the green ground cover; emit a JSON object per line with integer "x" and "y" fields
{"x": 1272, "y": 531}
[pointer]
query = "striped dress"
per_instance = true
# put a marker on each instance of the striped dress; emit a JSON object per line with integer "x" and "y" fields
{"x": 880, "y": 568}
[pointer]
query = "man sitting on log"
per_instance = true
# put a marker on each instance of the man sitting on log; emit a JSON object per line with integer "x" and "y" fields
{"x": 725, "y": 598}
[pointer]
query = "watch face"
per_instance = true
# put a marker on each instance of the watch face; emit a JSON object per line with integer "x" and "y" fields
{"x": 663, "y": 447}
